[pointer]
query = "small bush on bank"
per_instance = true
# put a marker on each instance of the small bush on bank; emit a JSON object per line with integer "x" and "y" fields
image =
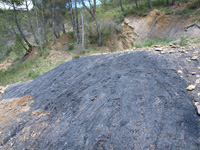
{"x": 150, "y": 42}
{"x": 33, "y": 74}
{"x": 70, "y": 47}
{"x": 183, "y": 41}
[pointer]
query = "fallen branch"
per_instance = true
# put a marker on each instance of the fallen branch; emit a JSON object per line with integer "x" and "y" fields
{"x": 194, "y": 24}
{"x": 151, "y": 29}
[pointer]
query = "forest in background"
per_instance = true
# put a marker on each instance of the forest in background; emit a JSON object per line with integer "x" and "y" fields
{"x": 89, "y": 23}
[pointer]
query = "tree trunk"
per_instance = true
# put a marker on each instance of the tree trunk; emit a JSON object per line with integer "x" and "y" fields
{"x": 151, "y": 29}
{"x": 173, "y": 2}
{"x": 43, "y": 23}
{"x": 14, "y": 29}
{"x": 30, "y": 23}
{"x": 16, "y": 21}
{"x": 53, "y": 28}
{"x": 38, "y": 29}
{"x": 58, "y": 34}
{"x": 92, "y": 11}
{"x": 63, "y": 28}
{"x": 77, "y": 26}
{"x": 136, "y": 4}
{"x": 86, "y": 19}
{"x": 120, "y": 2}
{"x": 167, "y": 2}
{"x": 72, "y": 18}
{"x": 99, "y": 34}
{"x": 18, "y": 37}
{"x": 1, "y": 54}
{"x": 150, "y": 4}
{"x": 55, "y": 34}
{"x": 83, "y": 33}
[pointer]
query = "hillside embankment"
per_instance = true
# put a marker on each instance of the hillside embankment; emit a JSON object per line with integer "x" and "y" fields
{"x": 156, "y": 25}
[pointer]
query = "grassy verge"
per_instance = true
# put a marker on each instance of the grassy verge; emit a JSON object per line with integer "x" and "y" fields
{"x": 39, "y": 64}
{"x": 150, "y": 42}
{"x": 27, "y": 70}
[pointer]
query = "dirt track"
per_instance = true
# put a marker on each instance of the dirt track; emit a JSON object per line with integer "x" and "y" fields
{"x": 132, "y": 100}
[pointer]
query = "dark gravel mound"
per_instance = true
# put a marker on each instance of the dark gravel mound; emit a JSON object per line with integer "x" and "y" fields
{"x": 119, "y": 101}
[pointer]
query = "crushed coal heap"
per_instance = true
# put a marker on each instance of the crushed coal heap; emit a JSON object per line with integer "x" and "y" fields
{"x": 131, "y": 100}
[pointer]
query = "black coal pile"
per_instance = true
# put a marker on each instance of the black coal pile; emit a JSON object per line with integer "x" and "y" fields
{"x": 132, "y": 100}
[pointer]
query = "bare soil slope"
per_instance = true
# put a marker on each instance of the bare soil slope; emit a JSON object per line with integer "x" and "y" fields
{"x": 155, "y": 25}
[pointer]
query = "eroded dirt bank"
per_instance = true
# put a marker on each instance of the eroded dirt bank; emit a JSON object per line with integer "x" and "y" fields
{"x": 155, "y": 25}
{"x": 132, "y": 100}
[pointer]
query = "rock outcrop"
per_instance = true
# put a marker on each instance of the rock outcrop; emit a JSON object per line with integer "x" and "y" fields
{"x": 155, "y": 25}
{"x": 128, "y": 36}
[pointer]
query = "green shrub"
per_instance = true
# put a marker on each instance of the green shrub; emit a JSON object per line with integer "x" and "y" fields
{"x": 119, "y": 17}
{"x": 45, "y": 53}
{"x": 184, "y": 12}
{"x": 91, "y": 33}
{"x": 196, "y": 18}
{"x": 185, "y": 1}
{"x": 59, "y": 62}
{"x": 163, "y": 41}
{"x": 71, "y": 33}
{"x": 108, "y": 29}
{"x": 33, "y": 74}
{"x": 194, "y": 5}
{"x": 138, "y": 45}
{"x": 75, "y": 57}
{"x": 183, "y": 41}
{"x": 158, "y": 3}
{"x": 70, "y": 47}
{"x": 168, "y": 11}
{"x": 128, "y": 10}
{"x": 150, "y": 42}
